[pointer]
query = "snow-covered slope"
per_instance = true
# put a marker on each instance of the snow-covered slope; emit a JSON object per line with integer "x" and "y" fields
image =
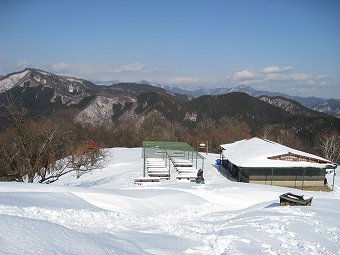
{"x": 289, "y": 106}
{"x": 330, "y": 106}
{"x": 70, "y": 90}
{"x": 102, "y": 110}
{"x": 104, "y": 212}
{"x": 9, "y": 81}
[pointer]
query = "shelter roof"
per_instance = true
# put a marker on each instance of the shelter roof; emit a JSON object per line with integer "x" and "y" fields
{"x": 168, "y": 145}
{"x": 256, "y": 152}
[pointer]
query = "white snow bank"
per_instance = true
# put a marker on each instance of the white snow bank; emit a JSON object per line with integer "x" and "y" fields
{"x": 32, "y": 236}
{"x": 104, "y": 212}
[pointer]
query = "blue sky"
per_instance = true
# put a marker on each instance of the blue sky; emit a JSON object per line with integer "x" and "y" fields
{"x": 277, "y": 45}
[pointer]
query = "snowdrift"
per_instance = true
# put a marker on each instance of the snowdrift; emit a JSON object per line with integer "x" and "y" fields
{"x": 104, "y": 212}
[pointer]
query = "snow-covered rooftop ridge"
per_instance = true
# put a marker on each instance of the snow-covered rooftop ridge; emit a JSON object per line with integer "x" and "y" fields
{"x": 256, "y": 152}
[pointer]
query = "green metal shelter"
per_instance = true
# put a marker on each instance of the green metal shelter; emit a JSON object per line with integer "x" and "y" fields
{"x": 168, "y": 150}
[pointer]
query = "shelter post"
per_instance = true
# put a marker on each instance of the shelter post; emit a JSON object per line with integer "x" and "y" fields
{"x": 272, "y": 177}
{"x": 303, "y": 177}
{"x": 144, "y": 165}
{"x": 334, "y": 174}
{"x": 196, "y": 158}
{"x": 166, "y": 160}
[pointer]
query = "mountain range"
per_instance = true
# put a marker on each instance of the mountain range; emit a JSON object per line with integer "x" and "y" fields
{"x": 329, "y": 106}
{"x": 43, "y": 93}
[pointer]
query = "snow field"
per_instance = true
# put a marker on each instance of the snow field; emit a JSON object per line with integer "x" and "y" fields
{"x": 104, "y": 212}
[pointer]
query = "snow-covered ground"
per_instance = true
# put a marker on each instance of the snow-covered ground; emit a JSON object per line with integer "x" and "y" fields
{"x": 104, "y": 212}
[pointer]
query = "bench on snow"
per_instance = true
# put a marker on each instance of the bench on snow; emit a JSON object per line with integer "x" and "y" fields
{"x": 160, "y": 164}
{"x": 187, "y": 172}
{"x": 186, "y": 177}
{"x": 183, "y": 164}
{"x": 154, "y": 159}
{"x": 158, "y": 169}
{"x": 293, "y": 199}
{"x": 179, "y": 168}
{"x": 140, "y": 180}
{"x": 165, "y": 175}
{"x": 181, "y": 161}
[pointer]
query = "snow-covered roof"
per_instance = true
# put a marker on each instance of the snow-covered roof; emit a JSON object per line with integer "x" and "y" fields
{"x": 257, "y": 152}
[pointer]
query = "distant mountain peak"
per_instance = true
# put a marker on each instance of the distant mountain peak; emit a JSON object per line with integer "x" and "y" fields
{"x": 242, "y": 86}
{"x": 144, "y": 82}
{"x": 105, "y": 83}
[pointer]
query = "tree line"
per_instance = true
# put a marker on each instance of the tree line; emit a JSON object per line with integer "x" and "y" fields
{"x": 45, "y": 148}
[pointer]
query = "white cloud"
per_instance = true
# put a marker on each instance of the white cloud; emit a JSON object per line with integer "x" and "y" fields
{"x": 133, "y": 67}
{"x": 182, "y": 80}
{"x": 7, "y": 66}
{"x": 276, "y": 69}
{"x": 195, "y": 81}
{"x": 245, "y": 75}
{"x": 22, "y": 64}
{"x": 61, "y": 67}
{"x": 297, "y": 77}
{"x": 91, "y": 70}
{"x": 276, "y": 74}
{"x": 87, "y": 70}
{"x": 285, "y": 79}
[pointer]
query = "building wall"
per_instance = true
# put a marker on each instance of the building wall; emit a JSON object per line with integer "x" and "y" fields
{"x": 288, "y": 177}
{"x": 293, "y": 184}
{"x": 285, "y": 173}
{"x": 233, "y": 169}
{"x": 285, "y": 181}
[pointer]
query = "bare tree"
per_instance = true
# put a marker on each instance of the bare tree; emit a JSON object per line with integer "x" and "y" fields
{"x": 265, "y": 133}
{"x": 31, "y": 147}
{"x": 330, "y": 146}
{"x": 9, "y": 158}
{"x": 156, "y": 127}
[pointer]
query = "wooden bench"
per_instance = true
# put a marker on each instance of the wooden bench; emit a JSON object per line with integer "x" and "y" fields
{"x": 177, "y": 154}
{"x": 183, "y": 164}
{"x": 154, "y": 159}
{"x": 187, "y": 172}
{"x": 186, "y": 168}
{"x": 155, "y": 165}
{"x": 181, "y": 161}
{"x": 155, "y": 162}
{"x": 140, "y": 180}
{"x": 158, "y": 169}
{"x": 159, "y": 174}
{"x": 186, "y": 177}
